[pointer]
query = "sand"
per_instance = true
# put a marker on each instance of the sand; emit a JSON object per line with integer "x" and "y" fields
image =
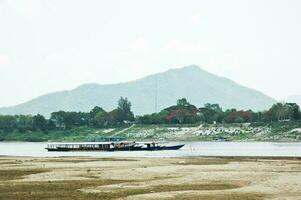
{"x": 150, "y": 178}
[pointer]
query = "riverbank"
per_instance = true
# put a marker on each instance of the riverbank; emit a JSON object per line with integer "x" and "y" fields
{"x": 274, "y": 132}
{"x": 208, "y": 178}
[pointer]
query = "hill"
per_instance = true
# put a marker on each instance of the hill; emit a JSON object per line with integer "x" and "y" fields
{"x": 192, "y": 82}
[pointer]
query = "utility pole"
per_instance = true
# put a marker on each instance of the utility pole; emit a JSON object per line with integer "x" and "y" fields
{"x": 156, "y": 94}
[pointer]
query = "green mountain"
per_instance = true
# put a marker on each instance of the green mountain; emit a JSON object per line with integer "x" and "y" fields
{"x": 197, "y": 85}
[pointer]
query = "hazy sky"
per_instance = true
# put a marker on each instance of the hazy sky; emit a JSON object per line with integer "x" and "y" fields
{"x": 53, "y": 45}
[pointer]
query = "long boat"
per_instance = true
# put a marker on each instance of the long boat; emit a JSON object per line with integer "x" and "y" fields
{"x": 155, "y": 146}
{"x": 111, "y": 146}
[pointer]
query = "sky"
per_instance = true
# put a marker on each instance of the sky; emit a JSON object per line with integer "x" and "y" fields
{"x": 53, "y": 45}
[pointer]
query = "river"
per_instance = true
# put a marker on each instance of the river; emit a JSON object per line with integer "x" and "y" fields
{"x": 37, "y": 149}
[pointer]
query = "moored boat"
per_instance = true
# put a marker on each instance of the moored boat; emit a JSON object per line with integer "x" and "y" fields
{"x": 79, "y": 146}
{"x": 155, "y": 146}
{"x": 111, "y": 146}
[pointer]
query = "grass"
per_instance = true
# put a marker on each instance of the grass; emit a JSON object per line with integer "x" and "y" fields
{"x": 71, "y": 190}
{"x": 117, "y": 159}
{"x": 225, "y": 160}
{"x": 10, "y": 162}
{"x": 123, "y": 193}
{"x": 65, "y": 190}
{"x": 6, "y": 175}
{"x": 75, "y": 134}
{"x": 10, "y": 189}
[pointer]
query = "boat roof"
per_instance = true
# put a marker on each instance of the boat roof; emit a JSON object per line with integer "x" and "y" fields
{"x": 78, "y": 143}
{"x": 151, "y": 142}
{"x": 71, "y": 143}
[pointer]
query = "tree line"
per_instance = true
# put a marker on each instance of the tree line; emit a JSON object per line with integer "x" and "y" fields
{"x": 181, "y": 113}
{"x": 185, "y": 113}
{"x": 96, "y": 118}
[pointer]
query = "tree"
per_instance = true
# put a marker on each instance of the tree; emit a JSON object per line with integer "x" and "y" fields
{"x": 93, "y": 114}
{"x": 239, "y": 117}
{"x": 101, "y": 119}
{"x": 182, "y": 102}
{"x": 294, "y": 111}
{"x": 124, "y": 104}
{"x": 39, "y": 122}
{"x": 67, "y": 120}
{"x": 211, "y": 113}
{"x": 116, "y": 117}
{"x": 24, "y": 122}
{"x": 7, "y": 123}
{"x": 215, "y": 107}
{"x": 124, "y": 110}
{"x": 257, "y": 116}
{"x": 155, "y": 118}
{"x": 178, "y": 116}
{"x": 181, "y": 113}
{"x": 95, "y": 111}
{"x": 70, "y": 119}
{"x": 58, "y": 118}
{"x": 282, "y": 111}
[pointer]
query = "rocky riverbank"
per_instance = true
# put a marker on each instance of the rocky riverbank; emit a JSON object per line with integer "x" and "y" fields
{"x": 277, "y": 132}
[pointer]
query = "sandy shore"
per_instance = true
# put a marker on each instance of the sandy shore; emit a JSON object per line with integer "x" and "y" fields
{"x": 150, "y": 178}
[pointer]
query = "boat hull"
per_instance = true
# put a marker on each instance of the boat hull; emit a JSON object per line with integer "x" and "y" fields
{"x": 160, "y": 148}
{"x": 137, "y": 148}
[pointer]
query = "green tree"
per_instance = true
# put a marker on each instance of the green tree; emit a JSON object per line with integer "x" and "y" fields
{"x": 182, "y": 102}
{"x": 95, "y": 111}
{"x": 294, "y": 111}
{"x": 92, "y": 115}
{"x": 212, "y": 113}
{"x": 124, "y": 104}
{"x": 278, "y": 112}
{"x": 101, "y": 119}
{"x": 24, "y": 122}
{"x": 124, "y": 110}
{"x": 58, "y": 118}
{"x": 39, "y": 122}
{"x": 8, "y": 123}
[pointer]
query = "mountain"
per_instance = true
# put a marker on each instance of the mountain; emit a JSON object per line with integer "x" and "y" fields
{"x": 192, "y": 82}
{"x": 294, "y": 99}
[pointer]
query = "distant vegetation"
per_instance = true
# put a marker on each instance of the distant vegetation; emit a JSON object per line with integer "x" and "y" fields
{"x": 34, "y": 128}
{"x": 185, "y": 113}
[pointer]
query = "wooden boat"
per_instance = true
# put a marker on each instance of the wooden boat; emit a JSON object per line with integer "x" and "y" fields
{"x": 111, "y": 146}
{"x": 154, "y": 146}
{"x": 79, "y": 146}
{"x": 126, "y": 146}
